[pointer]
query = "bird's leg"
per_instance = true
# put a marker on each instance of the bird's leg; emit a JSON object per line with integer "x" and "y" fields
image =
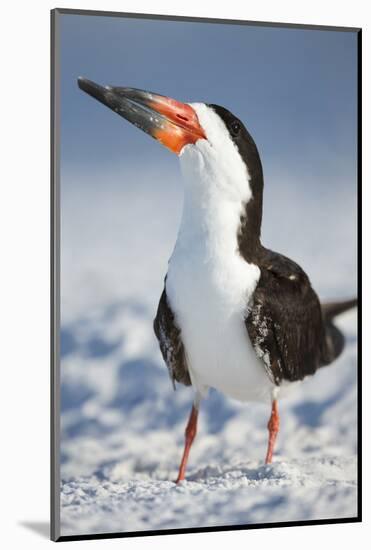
{"x": 190, "y": 434}
{"x": 273, "y": 427}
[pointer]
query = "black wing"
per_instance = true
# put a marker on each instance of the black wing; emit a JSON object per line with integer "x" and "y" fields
{"x": 285, "y": 321}
{"x": 171, "y": 346}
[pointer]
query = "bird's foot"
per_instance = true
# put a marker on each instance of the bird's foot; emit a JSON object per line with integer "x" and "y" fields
{"x": 273, "y": 427}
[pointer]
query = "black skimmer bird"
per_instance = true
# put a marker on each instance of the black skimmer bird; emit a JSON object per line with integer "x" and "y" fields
{"x": 233, "y": 315}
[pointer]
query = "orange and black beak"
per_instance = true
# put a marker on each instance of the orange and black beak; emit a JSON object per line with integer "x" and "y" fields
{"x": 171, "y": 122}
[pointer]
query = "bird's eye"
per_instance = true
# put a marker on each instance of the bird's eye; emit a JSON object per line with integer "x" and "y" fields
{"x": 235, "y": 127}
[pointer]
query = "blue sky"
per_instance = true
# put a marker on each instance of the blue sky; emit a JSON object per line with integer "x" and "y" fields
{"x": 294, "y": 89}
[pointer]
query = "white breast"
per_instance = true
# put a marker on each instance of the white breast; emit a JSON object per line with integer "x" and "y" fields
{"x": 208, "y": 283}
{"x": 209, "y": 304}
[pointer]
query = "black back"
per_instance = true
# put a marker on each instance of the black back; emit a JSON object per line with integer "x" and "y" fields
{"x": 285, "y": 322}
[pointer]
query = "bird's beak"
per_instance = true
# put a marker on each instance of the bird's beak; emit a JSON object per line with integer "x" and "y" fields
{"x": 172, "y": 123}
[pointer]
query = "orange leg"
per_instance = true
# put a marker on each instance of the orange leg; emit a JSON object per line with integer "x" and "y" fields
{"x": 190, "y": 434}
{"x": 273, "y": 427}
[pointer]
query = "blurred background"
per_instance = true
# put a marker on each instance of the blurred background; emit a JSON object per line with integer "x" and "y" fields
{"x": 121, "y": 200}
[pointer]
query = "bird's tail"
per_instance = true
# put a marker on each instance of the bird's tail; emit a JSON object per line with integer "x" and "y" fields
{"x": 334, "y": 340}
{"x": 332, "y": 309}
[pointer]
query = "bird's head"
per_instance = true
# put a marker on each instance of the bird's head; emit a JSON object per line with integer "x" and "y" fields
{"x": 216, "y": 151}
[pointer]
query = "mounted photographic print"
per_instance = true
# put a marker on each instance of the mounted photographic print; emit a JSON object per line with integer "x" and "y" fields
{"x": 205, "y": 187}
